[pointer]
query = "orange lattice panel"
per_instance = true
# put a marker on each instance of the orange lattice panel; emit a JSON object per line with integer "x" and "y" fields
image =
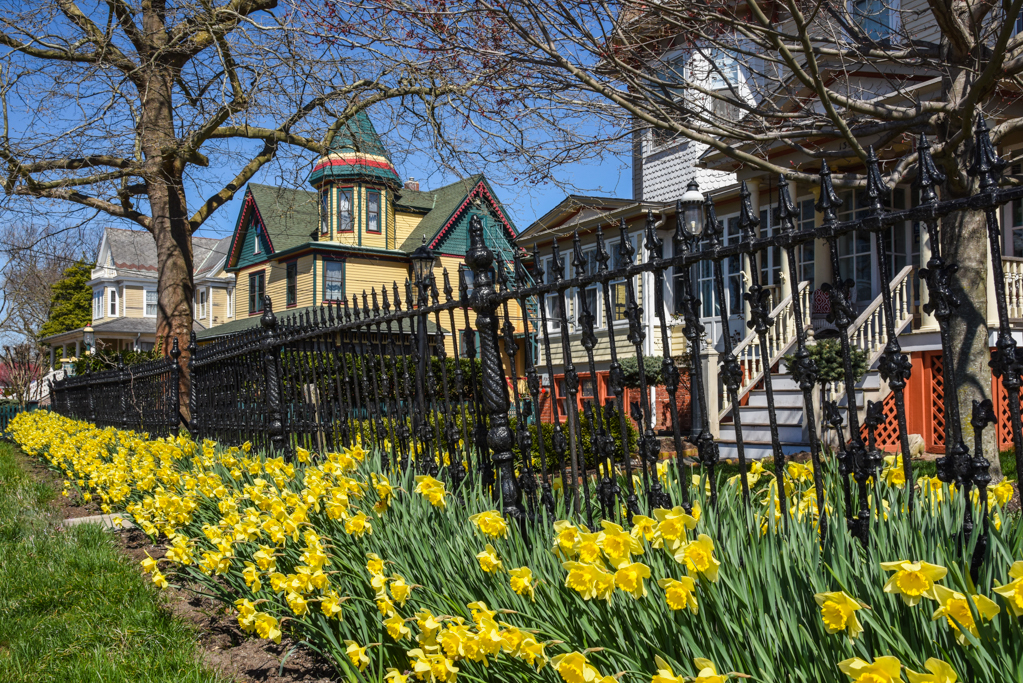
{"x": 887, "y": 433}
{"x": 1004, "y": 425}
{"x": 937, "y": 396}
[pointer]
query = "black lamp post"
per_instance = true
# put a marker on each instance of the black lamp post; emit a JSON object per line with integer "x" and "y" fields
{"x": 423, "y": 262}
{"x": 692, "y": 201}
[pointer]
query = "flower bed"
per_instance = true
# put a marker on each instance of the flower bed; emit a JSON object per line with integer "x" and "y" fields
{"x": 393, "y": 577}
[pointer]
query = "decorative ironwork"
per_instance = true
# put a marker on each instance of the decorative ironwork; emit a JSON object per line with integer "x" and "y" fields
{"x": 476, "y": 380}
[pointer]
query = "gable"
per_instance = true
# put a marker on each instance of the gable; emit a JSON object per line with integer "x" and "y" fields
{"x": 249, "y": 228}
{"x": 455, "y": 240}
{"x": 454, "y": 203}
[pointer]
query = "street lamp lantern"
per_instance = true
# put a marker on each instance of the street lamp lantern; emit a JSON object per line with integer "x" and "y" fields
{"x": 423, "y": 262}
{"x": 89, "y": 335}
{"x": 692, "y": 209}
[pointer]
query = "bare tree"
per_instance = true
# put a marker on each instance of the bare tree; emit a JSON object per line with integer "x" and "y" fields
{"x": 157, "y": 113}
{"x": 777, "y": 87}
{"x": 34, "y": 258}
{"x": 20, "y": 368}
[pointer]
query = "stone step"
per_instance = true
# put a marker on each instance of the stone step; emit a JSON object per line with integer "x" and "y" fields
{"x": 756, "y": 450}
{"x": 114, "y": 522}
{"x": 762, "y": 432}
{"x": 785, "y": 398}
{"x": 757, "y": 414}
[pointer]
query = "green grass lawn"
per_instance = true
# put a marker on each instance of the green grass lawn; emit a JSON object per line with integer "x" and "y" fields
{"x": 72, "y": 608}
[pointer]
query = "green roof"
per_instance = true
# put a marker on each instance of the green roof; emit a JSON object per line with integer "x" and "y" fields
{"x": 446, "y": 200}
{"x": 357, "y": 134}
{"x": 291, "y": 217}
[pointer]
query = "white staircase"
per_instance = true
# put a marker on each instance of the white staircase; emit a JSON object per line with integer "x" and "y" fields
{"x": 867, "y": 332}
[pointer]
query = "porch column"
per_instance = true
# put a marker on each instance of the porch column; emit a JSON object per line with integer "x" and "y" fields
{"x": 53, "y": 357}
{"x": 992, "y": 304}
{"x": 928, "y": 323}
{"x": 748, "y": 264}
{"x": 709, "y": 363}
{"x": 78, "y": 348}
{"x": 822, "y": 271}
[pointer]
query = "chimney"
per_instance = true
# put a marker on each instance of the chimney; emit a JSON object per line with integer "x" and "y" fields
{"x": 412, "y": 184}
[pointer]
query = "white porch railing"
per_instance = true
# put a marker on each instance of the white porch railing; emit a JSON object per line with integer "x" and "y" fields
{"x": 868, "y": 332}
{"x": 1013, "y": 269}
{"x": 780, "y": 338}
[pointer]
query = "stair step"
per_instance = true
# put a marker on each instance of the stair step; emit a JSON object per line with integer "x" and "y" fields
{"x": 783, "y": 383}
{"x": 762, "y": 432}
{"x": 757, "y": 414}
{"x": 785, "y": 398}
{"x": 756, "y": 450}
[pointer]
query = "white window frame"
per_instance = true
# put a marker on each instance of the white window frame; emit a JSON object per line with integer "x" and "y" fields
{"x": 550, "y": 300}
{"x": 113, "y": 302}
{"x": 145, "y": 302}
{"x": 325, "y": 211}
{"x": 612, "y": 248}
{"x": 349, "y": 219}
{"x": 598, "y": 318}
{"x": 203, "y": 294}
{"x": 230, "y": 302}
{"x": 98, "y": 304}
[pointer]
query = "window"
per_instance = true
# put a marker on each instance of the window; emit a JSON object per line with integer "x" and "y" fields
{"x": 619, "y": 288}
{"x": 202, "y": 295}
{"x": 552, "y": 303}
{"x": 590, "y": 293}
{"x": 151, "y": 303}
{"x": 856, "y": 252}
{"x": 373, "y": 211}
{"x": 588, "y": 393}
{"x": 731, "y": 271}
{"x": 804, "y": 252}
{"x": 97, "y": 304}
{"x": 325, "y": 211}
{"x": 344, "y": 210}
{"x": 257, "y": 248}
{"x": 230, "y": 303}
{"x": 113, "y": 301}
{"x": 257, "y": 287}
{"x": 874, "y": 18}
{"x": 333, "y": 281}
{"x": 291, "y": 277}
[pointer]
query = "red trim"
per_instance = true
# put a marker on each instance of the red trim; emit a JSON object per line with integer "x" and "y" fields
{"x": 480, "y": 189}
{"x": 353, "y": 162}
{"x": 250, "y": 203}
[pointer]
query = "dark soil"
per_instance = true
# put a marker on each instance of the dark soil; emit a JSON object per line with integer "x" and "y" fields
{"x": 224, "y": 647}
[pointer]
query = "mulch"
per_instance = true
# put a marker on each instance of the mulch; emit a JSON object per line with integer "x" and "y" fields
{"x": 223, "y": 646}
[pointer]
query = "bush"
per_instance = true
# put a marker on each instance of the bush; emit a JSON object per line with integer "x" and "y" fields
{"x": 827, "y": 355}
{"x": 652, "y": 369}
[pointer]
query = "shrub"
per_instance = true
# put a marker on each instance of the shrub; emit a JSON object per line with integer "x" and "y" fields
{"x": 827, "y": 355}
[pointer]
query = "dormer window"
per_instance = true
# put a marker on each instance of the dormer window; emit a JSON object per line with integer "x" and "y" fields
{"x": 373, "y": 211}
{"x": 345, "y": 221}
{"x": 325, "y": 211}
{"x": 256, "y": 249}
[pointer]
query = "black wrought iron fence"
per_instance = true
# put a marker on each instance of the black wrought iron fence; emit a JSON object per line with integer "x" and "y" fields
{"x": 142, "y": 397}
{"x": 374, "y": 369}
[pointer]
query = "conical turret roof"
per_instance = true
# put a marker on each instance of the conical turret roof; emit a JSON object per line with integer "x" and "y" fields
{"x": 356, "y": 153}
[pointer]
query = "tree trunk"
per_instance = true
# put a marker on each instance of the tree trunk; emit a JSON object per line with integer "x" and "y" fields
{"x": 964, "y": 242}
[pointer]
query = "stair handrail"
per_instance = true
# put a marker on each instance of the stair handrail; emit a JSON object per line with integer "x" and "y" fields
{"x": 780, "y": 338}
{"x": 868, "y": 330}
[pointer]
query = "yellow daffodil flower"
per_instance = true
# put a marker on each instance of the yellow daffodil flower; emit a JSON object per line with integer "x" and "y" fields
{"x": 953, "y": 606}
{"x": 631, "y": 578}
{"x": 489, "y": 561}
{"x": 672, "y": 526}
{"x": 698, "y": 557}
{"x": 357, "y": 655}
{"x": 395, "y": 676}
{"x": 912, "y": 580}
{"x": 838, "y": 611}
{"x": 573, "y": 668}
{"x": 396, "y": 628}
{"x": 267, "y": 628}
{"x": 1013, "y": 591}
{"x": 358, "y": 525}
{"x": 159, "y": 580}
{"x": 374, "y": 565}
{"x": 431, "y": 489}
{"x": 664, "y": 673}
{"x": 1002, "y": 491}
{"x": 680, "y": 593}
{"x": 881, "y": 670}
{"x": 491, "y": 523}
{"x": 893, "y": 473}
{"x": 522, "y": 581}
{"x": 707, "y": 672}
{"x": 940, "y": 672}
{"x": 330, "y": 605}
{"x": 643, "y": 528}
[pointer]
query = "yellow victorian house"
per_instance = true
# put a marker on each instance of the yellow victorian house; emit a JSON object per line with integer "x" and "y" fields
{"x": 352, "y": 233}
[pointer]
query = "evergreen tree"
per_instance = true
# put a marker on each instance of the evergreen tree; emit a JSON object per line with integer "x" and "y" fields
{"x": 71, "y": 301}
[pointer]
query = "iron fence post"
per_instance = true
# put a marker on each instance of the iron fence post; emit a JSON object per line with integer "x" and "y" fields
{"x": 193, "y": 390}
{"x": 173, "y": 410}
{"x": 122, "y": 382}
{"x": 494, "y": 389}
{"x": 271, "y": 363}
